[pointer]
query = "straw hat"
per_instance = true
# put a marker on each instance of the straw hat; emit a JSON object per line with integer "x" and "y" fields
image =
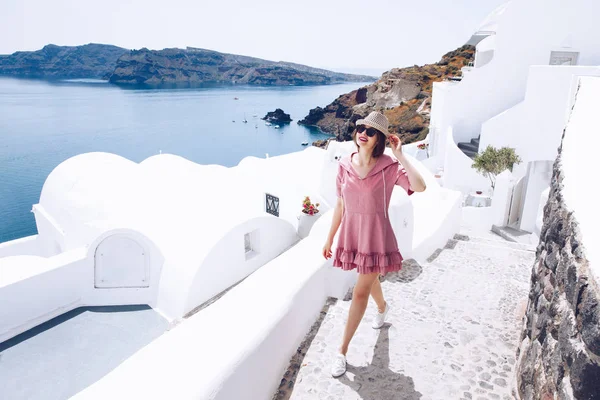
{"x": 377, "y": 120}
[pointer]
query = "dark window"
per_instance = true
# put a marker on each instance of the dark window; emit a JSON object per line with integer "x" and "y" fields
{"x": 272, "y": 204}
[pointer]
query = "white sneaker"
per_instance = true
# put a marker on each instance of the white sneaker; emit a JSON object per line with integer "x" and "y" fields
{"x": 339, "y": 366}
{"x": 379, "y": 319}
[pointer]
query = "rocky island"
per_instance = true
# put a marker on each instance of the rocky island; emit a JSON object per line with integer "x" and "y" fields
{"x": 192, "y": 65}
{"x": 402, "y": 94}
{"x": 277, "y": 117}
{"x": 159, "y": 67}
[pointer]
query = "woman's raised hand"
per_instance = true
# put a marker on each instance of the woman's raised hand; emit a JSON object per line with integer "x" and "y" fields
{"x": 395, "y": 143}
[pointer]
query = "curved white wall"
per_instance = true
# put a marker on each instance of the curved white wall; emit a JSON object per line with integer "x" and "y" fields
{"x": 458, "y": 171}
{"x": 227, "y": 263}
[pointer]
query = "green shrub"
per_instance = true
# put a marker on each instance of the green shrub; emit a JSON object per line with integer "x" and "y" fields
{"x": 492, "y": 162}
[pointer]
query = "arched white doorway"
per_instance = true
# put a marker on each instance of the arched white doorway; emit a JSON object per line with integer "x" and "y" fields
{"x": 121, "y": 262}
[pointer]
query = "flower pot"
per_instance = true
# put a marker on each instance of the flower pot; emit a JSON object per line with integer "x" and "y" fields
{"x": 421, "y": 155}
{"x": 305, "y": 223}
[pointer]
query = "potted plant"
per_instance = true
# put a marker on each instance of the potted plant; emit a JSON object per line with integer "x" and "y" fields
{"x": 424, "y": 146}
{"x": 308, "y": 217}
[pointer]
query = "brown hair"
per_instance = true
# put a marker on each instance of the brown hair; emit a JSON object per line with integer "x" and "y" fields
{"x": 379, "y": 146}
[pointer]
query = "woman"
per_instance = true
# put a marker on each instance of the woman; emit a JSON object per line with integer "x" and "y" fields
{"x": 365, "y": 182}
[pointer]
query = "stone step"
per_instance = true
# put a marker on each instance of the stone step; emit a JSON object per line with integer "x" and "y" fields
{"x": 500, "y": 242}
{"x": 468, "y": 146}
{"x": 495, "y": 250}
{"x": 469, "y": 153}
{"x": 514, "y": 235}
{"x": 475, "y": 142}
{"x": 484, "y": 258}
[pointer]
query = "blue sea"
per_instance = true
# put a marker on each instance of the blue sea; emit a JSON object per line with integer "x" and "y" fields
{"x": 43, "y": 123}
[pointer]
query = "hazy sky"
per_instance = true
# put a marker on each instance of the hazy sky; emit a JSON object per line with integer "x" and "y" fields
{"x": 355, "y": 36}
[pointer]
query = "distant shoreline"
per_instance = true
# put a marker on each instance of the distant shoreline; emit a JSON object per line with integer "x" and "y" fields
{"x": 167, "y": 68}
{"x": 183, "y": 85}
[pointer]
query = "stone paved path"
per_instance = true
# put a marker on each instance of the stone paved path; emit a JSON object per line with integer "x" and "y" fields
{"x": 452, "y": 331}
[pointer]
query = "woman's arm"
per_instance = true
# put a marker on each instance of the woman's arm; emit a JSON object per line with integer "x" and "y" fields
{"x": 417, "y": 183}
{"x": 335, "y": 224}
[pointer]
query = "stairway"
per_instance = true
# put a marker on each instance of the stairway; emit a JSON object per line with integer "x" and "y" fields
{"x": 452, "y": 330}
{"x": 470, "y": 148}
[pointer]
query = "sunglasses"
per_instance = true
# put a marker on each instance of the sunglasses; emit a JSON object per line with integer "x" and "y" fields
{"x": 370, "y": 131}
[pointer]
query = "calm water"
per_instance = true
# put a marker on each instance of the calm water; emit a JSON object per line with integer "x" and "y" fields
{"x": 44, "y": 123}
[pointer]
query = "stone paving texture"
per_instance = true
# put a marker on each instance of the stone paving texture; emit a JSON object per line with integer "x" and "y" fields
{"x": 451, "y": 333}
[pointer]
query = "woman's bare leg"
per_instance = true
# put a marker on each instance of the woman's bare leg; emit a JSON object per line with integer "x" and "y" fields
{"x": 360, "y": 298}
{"x": 377, "y": 295}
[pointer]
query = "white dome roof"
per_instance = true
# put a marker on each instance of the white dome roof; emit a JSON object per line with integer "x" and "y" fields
{"x": 87, "y": 186}
{"x": 161, "y": 195}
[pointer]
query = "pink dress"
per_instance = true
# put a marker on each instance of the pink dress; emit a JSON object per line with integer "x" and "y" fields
{"x": 366, "y": 239}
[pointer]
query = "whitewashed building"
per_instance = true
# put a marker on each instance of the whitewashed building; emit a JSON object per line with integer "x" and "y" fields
{"x": 517, "y": 94}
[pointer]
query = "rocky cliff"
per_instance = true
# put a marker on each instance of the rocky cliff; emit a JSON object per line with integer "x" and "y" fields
{"x": 402, "y": 94}
{"x": 559, "y": 354}
{"x": 63, "y": 62}
{"x": 190, "y": 66}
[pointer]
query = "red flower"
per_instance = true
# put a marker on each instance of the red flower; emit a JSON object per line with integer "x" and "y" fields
{"x": 308, "y": 207}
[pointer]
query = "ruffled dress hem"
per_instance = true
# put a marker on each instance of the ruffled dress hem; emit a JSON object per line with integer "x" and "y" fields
{"x": 367, "y": 263}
